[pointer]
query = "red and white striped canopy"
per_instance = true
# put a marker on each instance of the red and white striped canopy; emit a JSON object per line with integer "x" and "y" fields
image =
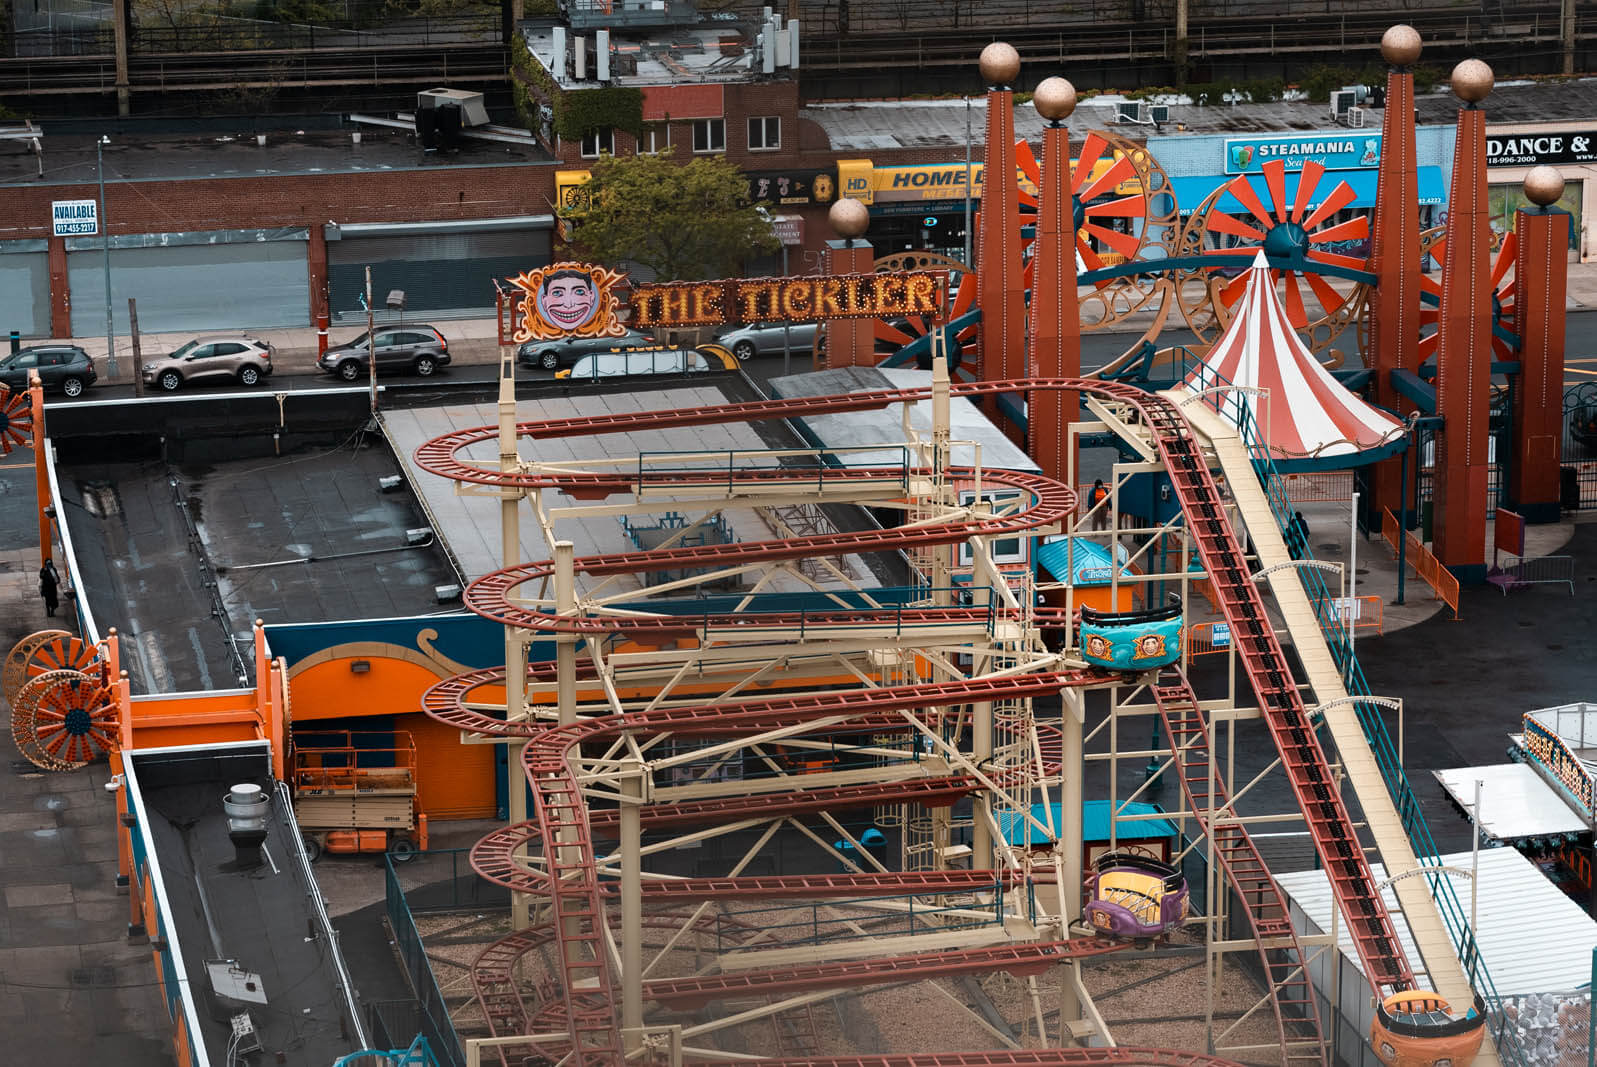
{"x": 1307, "y": 416}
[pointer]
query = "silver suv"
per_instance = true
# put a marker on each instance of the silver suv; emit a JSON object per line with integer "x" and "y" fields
{"x": 232, "y": 358}
{"x": 419, "y": 348}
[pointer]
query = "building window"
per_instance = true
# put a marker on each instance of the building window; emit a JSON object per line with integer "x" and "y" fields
{"x": 655, "y": 139}
{"x": 765, "y": 134}
{"x": 709, "y": 135}
{"x": 598, "y": 141}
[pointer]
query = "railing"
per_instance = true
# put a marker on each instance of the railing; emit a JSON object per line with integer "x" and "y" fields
{"x": 1540, "y": 570}
{"x": 1425, "y": 564}
{"x": 435, "y": 1021}
{"x": 819, "y": 924}
{"x": 1232, "y": 405}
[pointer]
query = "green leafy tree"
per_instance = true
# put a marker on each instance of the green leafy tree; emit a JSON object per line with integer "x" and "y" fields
{"x": 684, "y": 222}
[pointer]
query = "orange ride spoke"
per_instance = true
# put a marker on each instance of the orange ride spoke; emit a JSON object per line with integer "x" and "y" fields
{"x": 1275, "y": 179}
{"x": 1232, "y": 290}
{"x": 892, "y": 334}
{"x": 1337, "y": 259}
{"x": 1294, "y": 303}
{"x": 1241, "y": 191}
{"x": 1353, "y": 229}
{"x": 1326, "y": 293}
{"x": 1123, "y": 243}
{"x": 1127, "y": 207}
{"x": 1505, "y": 259}
{"x": 1340, "y": 198}
{"x": 1231, "y": 226}
{"x": 1118, "y": 172}
{"x": 1091, "y": 151}
{"x": 1307, "y": 180}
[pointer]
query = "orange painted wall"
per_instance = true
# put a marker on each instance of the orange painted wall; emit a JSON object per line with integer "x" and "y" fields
{"x": 453, "y": 781}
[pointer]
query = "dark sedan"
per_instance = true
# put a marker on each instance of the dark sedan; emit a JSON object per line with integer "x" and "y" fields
{"x": 552, "y": 355}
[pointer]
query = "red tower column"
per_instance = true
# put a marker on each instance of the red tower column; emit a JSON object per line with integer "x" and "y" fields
{"x": 1464, "y": 343}
{"x": 1000, "y": 289}
{"x": 1395, "y": 251}
{"x": 850, "y": 342}
{"x": 1055, "y": 325}
{"x": 1540, "y": 277}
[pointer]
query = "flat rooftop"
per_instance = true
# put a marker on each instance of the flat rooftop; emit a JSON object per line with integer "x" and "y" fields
{"x": 183, "y": 550}
{"x": 469, "y": 523}
{"x": 69, "y": 158}
{"x": 260, "y": 918}
{"x": 885, "y": 124}
{"x": 718, "y": 50}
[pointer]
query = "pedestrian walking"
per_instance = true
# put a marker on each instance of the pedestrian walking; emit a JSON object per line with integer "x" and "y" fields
{"x": 49, "y": 586}
{"x": 1098, "y": 495}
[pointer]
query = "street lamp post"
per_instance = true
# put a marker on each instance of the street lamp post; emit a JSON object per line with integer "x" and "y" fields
{"x": 105, "y": 243}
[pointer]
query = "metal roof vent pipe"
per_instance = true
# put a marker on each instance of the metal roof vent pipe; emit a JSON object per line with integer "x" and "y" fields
{"x": 246, "y": 806}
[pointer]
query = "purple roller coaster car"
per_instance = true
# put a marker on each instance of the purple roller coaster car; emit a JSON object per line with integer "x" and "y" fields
{"x": 1134, "y": 896}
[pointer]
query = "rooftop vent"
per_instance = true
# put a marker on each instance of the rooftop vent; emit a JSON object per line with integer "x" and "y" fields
{"x": 246, "y": 806}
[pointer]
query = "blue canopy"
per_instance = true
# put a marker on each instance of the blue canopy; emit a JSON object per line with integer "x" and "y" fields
{"x": 1094, "y": 822}
{"x": 1085, "y": 564}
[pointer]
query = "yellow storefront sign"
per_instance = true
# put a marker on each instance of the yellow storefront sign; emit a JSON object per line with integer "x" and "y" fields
{"x": 870, "y": 184}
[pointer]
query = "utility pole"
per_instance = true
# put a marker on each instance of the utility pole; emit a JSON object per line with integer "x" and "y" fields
{"x": 1566, "y": 33}
{"x": 119, "y": 39}
{"x": 371, "y": 342}
{"x": 105, "y": 244}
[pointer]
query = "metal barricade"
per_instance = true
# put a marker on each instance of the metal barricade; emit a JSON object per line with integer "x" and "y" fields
{"x": 1540, "y": 570}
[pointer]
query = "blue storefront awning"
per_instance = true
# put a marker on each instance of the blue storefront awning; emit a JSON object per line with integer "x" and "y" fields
{"x": 1190, "y": 192}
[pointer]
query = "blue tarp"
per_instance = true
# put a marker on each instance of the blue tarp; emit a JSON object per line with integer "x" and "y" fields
{"x": 1190, "y": 192}
{"x": 1094, "y": 822}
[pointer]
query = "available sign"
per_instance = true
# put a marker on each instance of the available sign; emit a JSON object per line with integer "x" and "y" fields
{"x": 74, "y": 218}
{"x": 1333, "y": 151}
{"x": 843, "y": 296}
{"x": 1534, "y": 149}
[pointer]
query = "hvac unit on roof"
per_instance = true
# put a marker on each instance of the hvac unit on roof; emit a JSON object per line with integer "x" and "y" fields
{"x": 1159, "y": 113}
{"x": 1128, "y": 111}
{"x": 1342, "y": 100}
{"x": 1355, "y": 116}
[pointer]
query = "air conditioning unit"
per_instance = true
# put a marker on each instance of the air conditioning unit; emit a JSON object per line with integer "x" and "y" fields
{"x": 470, "y": 104}
{"x": 1129, "y": 111}
{"x": 1355, "y": 116}
{"x": 1159, "y": 113}
{"x": 1342, "y": 100}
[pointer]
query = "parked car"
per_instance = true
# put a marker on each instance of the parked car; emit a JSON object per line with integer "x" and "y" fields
{"x": 416, "y": 347}
{"x": 64, "y": 367}
{"x": 765, "y": 339}
{"x": 234, "y": 358}
{"x": 565, "y": 351}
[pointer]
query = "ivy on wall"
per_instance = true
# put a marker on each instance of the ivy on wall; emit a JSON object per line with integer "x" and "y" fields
{"x": 577, "y": 112}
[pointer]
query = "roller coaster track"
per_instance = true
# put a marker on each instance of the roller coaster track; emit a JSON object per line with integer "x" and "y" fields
{"x": 572, "y": 879}
{"x": 1280, "y": 955}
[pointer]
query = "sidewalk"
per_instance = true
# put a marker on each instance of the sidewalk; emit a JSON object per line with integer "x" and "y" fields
{"x": 474, "y": 342}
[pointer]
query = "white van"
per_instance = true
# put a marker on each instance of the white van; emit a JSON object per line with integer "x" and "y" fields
{"x": 648, "y": 361}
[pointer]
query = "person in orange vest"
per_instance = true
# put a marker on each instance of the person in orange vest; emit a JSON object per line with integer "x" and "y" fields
{"x": 1095, "y": 496}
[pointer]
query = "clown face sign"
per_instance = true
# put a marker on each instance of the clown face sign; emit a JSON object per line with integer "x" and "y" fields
{"x": 567, "y": 300}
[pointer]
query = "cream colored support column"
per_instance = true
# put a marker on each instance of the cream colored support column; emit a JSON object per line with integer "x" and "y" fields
{"x": 632, "y": 906}
{"x": 515, "y": 639}
{"x": 1072, "y": 713}
{"x": 942, "y": 577}
{"x": 515, "y": 776}
{"x": 566, "y": 644}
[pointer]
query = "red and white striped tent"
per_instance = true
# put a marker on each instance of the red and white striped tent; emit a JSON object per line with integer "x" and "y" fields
{"x": 1308, "y": 419}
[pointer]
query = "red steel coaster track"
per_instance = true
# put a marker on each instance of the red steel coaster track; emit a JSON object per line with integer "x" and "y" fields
{"x": 572, "y": 880}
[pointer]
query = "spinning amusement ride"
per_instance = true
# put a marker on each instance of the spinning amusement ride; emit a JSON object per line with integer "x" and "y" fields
{"x": 664, "y": 723}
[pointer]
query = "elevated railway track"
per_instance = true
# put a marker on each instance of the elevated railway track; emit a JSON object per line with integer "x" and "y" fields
{"x": 182, "y": 72}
